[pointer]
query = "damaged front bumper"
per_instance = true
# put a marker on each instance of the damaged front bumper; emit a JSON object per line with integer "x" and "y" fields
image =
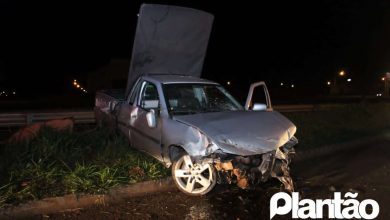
{"x": 247, "y": 171}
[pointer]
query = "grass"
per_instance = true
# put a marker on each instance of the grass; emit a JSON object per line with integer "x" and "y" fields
{"x": 58, "y": 163}
{"x": 318, "y": 128}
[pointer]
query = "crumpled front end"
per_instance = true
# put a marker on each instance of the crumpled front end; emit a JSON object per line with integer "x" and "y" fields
{"x": 248, "y": 171}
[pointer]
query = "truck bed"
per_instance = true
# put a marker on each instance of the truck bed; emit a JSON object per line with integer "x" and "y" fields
{"x": 106, "y": 100}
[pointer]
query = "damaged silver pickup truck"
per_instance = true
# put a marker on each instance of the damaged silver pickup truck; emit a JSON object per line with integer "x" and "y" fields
{"x": 191, "y": 124}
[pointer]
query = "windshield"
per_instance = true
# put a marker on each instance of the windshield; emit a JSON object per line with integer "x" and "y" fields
{"x": 198, "y": 98}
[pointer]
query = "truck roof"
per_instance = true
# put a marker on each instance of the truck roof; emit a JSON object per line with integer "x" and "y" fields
{"x": 166, "y": 79}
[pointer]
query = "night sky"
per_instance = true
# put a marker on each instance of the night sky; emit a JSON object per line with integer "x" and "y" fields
{"x": 44, "y": 45}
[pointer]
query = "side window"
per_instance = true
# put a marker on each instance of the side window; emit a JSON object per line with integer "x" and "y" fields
{"x": 135, "y": 92}
{"x": 149, "y": 96}
{"x": 259, "y": 96}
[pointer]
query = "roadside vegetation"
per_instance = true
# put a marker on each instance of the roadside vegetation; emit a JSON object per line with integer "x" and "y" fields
{"x": 58, "y": 163}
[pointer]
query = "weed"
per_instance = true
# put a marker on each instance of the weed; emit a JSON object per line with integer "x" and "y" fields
{"x": 57, "y": 163}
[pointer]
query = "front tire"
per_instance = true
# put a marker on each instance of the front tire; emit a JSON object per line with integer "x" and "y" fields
{"x": 193, "y": 179}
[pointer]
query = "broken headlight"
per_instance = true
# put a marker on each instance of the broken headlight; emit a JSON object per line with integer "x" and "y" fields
{"x": 211, "y": 148}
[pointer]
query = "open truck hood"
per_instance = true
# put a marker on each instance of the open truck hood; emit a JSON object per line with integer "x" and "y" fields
{"x": 169, "y": 40}
{"x": 243, "y": 132}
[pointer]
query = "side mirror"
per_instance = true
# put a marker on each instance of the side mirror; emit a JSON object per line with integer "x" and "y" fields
{"x": 259, "y": 107}
{"x": 151, "y": 118}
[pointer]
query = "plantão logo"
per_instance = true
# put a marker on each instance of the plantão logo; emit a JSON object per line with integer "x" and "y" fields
{"x": 338, "y": 208}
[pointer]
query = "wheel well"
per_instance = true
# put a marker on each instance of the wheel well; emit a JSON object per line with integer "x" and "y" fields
{"x": 175, "y": 152}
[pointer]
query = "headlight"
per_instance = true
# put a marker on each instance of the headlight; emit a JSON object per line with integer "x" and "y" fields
{"x": 211, "y": 148}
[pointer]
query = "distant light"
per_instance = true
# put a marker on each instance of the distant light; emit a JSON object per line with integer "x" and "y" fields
{"x": 228, "y": 82}
{"x": 82, "y": 88}
{"x": 379, "y": 94}
{"x": 341, "y": 73}
{"x": 78, "y": 86}
{"x": 281, "y": 84}
{"x": 383, "y": 78}
{"x": 14, "y": 92}
{"x": 349, "y": 80}
{"x": 328, "y": 83}
{"x": 74, "y": 80}
{"x": 292, "y": 86}
{"x": 74, "y": 83}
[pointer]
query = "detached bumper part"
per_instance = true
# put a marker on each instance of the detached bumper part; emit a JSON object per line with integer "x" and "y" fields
{"x": 252, "y": 170}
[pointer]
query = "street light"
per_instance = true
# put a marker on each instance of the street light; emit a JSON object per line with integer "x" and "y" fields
{"x": 328, "y": 83}
{"x": 386, "y": 80}
{"x": 336, "y": 88}
{"x": 349, "y": 80}
{"x": 228, "y": 82}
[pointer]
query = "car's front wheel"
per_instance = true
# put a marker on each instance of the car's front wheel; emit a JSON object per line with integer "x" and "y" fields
{"x": 193, "y": 178}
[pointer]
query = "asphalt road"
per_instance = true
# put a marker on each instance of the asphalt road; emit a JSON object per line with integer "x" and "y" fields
{"x": 365, "y": 169}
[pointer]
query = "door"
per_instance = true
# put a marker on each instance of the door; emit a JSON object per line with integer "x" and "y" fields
{"x": 260, "y": 100}
{"x": 143, "y": 136}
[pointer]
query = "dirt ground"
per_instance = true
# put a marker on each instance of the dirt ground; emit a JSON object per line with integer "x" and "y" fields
{"x": 365, "y": 169}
